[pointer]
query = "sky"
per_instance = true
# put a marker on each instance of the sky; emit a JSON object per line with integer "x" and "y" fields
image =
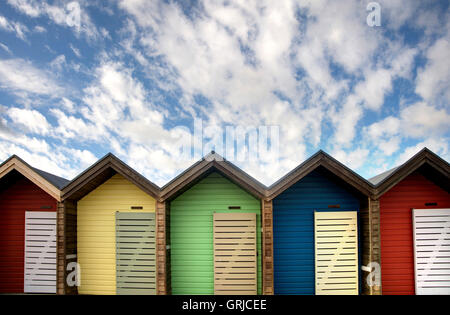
{"x": 79, "y": 79}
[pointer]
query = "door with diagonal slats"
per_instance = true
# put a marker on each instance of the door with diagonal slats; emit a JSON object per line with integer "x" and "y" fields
{"x": 336, "y": 252}
{"x": 431, "y": 229}
{"x": 40, "y": 252}
{"x": 135, "y": 253}
{"x": 235, "y": 254}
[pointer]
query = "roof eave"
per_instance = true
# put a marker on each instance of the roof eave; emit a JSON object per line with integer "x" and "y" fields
{"x": 109, "y": 161}
{"x": 16, "y": 163}
{"x": 321, "y": 158}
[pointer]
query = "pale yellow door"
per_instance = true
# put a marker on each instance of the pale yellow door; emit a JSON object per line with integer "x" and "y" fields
{"x": 235, "y": 264}
{"x": 336, "y": 252}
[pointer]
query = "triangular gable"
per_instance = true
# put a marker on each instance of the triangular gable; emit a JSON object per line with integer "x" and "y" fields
{"x": 440, "y": 168}
{"x": 326, "y": 161}
{"x": 101, "y": 171}
{"x": 212, "y": 162}
{"x": 49, "y": 183}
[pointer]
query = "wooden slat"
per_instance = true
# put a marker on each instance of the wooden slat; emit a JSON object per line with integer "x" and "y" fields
{"x": 336, "y": 252}
{"x": 34, "y": 216}
{"x": 40, "y": 252}
{"x": 235, "y": 265}
{"x": 431, "y": 229}
{"x": 135, "y": 253}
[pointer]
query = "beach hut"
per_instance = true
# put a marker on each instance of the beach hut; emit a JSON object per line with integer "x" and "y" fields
{"x": 319, "y": 210}
{"x": 111, "y": 230}
{"x": 413, "y": 213}
{"x": 29, "y": 201}
{"x": 215, "y": 230}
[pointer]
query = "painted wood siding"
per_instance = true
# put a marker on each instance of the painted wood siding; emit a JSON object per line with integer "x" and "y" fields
{"x": 293, "y": 224}
{"x": 397, "y": 252}
{"x": 191, "y": 232}
{"x": 96, "y": 236}
{"x": 21, "y": 196}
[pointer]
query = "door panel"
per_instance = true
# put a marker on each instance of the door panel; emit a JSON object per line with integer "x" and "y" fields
{"x": 336, "y": 253}
{"x": 235, "y": 254}
{"x": 431, "y": 229}
{"x": 135, "y": 253}
{"x": 40, "y": 252}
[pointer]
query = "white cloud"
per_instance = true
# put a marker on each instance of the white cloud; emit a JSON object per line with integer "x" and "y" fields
{"x": 387, "y": 127}
{"x": 423, "y": 120}
{"x": 75, "y": 50}
{"x": 39, "y": 29}
{"x": 18, "y": 76}
{"x": 433, "y": 80}
{"x": 5, "y": 48}
{"x": 58, "y": 63}
{"x": 75, "y": 128}
{"x": 32, "y": 120}
{"x": 62, "y": 14}
{"x": 14, "y": 27}
{"x": 84, "y": 157}
{"x": 353, "y": 159}
{"x": 313, "y": 68}
{"x": 438, "y": 146}
{"x": 374, "y": 88}
{"x": 345, "y": 121}
{"x": 418, "y": 121}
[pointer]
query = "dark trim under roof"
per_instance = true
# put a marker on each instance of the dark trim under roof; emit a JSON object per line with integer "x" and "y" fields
{"x": 388, "y": 180}
{"x": 324, "y": 160}
{"x": 212, "y": 162}
{"x": 101, "y": 171}
{"x": 56, "y": 181}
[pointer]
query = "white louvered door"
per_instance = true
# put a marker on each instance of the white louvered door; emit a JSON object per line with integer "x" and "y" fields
{"x": 431, "y": 229}
{"x": 336, "y": 252}
{"x": 40, "y": 252}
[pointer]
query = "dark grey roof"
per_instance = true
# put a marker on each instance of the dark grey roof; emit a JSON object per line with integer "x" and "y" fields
{"x": 56, "y": 181}
{"x": 381, "y": 177}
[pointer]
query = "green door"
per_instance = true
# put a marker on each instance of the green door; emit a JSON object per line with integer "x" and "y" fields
{"x": 191, "y": 232}
{"x": 135, "y": 253}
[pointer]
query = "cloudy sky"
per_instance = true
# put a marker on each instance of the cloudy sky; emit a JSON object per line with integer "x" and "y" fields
{"x": 131, "y": 76}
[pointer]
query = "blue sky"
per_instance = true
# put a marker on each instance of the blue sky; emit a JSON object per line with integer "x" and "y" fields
{"x": 131, "y": 76}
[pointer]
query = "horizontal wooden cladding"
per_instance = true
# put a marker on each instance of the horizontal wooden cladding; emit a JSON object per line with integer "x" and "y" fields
{"x": 336, "y": 253}
{"x": 396, "y": 229}
{"x": 293, "y": 230}
{"x": 96, "y": 231}
{"x": 21, "y": 196}
{"x": 235, "y": 253}
{"x": 135, "y": 253}
{"x": 432, "y": 251}
{"x": 191, "y": 232}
